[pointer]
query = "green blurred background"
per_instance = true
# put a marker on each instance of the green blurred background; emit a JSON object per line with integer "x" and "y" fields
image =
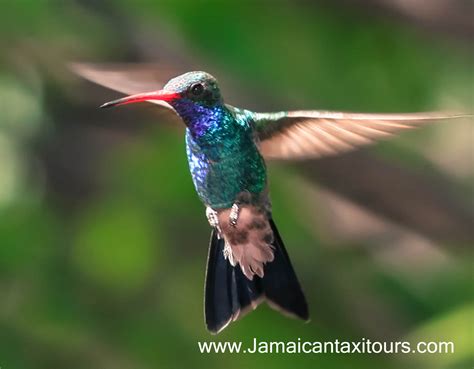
{"x": 103, "y": 241}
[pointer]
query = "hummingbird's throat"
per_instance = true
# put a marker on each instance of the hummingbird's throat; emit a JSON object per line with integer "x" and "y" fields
{"x": 198, "y": 118}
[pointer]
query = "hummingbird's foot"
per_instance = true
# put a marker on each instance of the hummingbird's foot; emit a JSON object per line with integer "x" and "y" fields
{"x": 213, "y": 219}
{"x": 228, "y": 255}
{"x": 234, "y": 214}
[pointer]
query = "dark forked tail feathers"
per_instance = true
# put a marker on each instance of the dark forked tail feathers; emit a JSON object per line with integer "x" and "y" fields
{"x": 229, "y": 294}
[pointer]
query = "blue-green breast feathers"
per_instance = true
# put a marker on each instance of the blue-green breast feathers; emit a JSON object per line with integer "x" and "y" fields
{"x": 223, "y": 157}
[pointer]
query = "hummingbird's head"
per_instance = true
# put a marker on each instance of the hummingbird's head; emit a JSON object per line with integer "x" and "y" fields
{"x": 197, "y": 89}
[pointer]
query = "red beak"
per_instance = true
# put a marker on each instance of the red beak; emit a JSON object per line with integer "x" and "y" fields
{"x": 155, "y": 95}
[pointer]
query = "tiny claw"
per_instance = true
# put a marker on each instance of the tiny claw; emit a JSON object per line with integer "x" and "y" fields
{"x": 234, "y": 215}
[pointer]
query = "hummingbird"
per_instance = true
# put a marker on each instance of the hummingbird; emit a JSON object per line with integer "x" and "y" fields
{"x": 227, "y": 148}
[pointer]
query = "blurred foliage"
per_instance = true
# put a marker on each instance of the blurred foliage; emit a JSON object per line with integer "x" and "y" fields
{"x": 102, "y": 265}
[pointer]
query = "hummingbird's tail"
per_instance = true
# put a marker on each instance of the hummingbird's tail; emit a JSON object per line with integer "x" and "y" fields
{"x": 229, "y": 294}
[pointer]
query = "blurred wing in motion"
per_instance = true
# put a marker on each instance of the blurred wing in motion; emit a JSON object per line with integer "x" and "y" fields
{"x": 314, "y": 134}
{"x": 127, "y": 78}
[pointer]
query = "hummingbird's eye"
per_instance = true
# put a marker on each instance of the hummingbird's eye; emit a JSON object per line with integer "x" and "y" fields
{"x": 197, "y": 89}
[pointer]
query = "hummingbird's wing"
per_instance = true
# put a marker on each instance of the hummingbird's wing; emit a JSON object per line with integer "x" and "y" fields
{"x": 314, "y": 134}
{"x": 128, "y": 78}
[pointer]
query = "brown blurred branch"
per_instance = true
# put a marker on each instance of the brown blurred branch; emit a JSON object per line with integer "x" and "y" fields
{"x": 446, "y": 17}
{"x": 423, "y": 203}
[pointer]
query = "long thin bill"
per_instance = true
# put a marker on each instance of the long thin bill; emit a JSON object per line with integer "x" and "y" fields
{"x": 155, "y": 95}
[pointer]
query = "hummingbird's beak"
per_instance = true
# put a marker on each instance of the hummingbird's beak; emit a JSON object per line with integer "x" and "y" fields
{"x": 155, "y": 95}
